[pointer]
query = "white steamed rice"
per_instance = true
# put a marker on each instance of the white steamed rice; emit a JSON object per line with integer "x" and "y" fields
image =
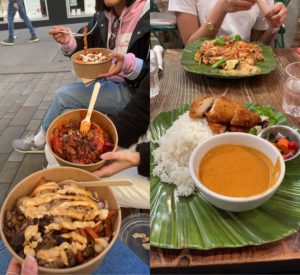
{"x": 175, "y": 148}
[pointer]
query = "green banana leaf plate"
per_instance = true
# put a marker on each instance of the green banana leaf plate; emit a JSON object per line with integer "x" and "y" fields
{"x": 191, "y": 222}
{"x": 190, "y": 65}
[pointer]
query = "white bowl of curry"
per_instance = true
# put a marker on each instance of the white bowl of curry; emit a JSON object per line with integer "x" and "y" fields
{"x": 237, "y": 171}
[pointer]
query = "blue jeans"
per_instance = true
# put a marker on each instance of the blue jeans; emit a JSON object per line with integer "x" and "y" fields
{"x": 112, "y": 99}
{"x": 11, "y": 12}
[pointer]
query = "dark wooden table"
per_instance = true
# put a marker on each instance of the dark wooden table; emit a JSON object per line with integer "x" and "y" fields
{"x": 178, "y": 87}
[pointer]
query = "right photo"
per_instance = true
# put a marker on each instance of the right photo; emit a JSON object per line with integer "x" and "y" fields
{"x": 224, "y": 131}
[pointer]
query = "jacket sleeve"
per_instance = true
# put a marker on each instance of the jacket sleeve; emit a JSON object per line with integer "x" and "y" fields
{"x": 144, "y": 167}
{"x": 133, "y": 121}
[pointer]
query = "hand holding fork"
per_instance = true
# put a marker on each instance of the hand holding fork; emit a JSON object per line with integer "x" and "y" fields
{"x": 64, "y": 35}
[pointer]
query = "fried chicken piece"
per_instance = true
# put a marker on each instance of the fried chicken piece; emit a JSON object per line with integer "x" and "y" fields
{"x": 222, "y": 110}
{"x": 238, "y": 129}
{"x": 200, "y": 106}
{"x": 244, "y": 118}
{"x": 217, "y": 128}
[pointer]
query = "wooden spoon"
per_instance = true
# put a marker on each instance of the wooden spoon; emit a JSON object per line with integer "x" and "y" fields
{"x": 98, "y": 183}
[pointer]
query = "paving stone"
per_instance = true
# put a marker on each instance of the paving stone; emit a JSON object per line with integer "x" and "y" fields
{"x": 19, "y": 87}
{"x": 33, "y": 100}
{"x": 31, "y": 164}
{"x": 11, "y": 78}
{"x": 34, "y": 125}
{"x": 21, "y": 99}
{"x": 14, "y": 108}
{"x": 7, "y": 136}
{"x": 3, "y": 123}
{"x": 39, "y": 114}
{"x": 23, "y": 116}
{"x": 4, "y": 190}
{"x": 16, "y": 156}
{"x": 8, "y": 100}
{"x": 3, "y": 111}
{"x": 43, "y": 85}
{"x": 48, "y": 76}
{"x": 48, "y": 97}
{"x": 44, "y": 105}
{"x": 27, "y": 77}
{"x": 9, "y": 115}
{"x": 28, "y": 90}
{"x": 3, "y": 160}
{"x": 9, "y": 171}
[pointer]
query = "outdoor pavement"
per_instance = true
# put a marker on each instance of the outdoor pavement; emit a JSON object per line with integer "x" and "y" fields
{"x": 29, "y": 74}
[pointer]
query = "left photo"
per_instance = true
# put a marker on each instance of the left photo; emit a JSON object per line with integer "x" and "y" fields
{"x": 74, "y": 154}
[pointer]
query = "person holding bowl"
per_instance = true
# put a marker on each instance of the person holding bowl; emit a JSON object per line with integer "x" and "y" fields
{"x": 123, "y": 27}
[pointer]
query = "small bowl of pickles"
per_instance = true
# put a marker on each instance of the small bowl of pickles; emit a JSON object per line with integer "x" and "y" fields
{"x": 284, "y": 138}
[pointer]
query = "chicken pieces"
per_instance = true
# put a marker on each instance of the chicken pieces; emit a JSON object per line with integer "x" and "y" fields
{"x": 224, "y": 114}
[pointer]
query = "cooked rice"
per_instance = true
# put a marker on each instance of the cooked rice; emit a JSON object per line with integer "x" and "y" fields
{"x": 175, "y": 148}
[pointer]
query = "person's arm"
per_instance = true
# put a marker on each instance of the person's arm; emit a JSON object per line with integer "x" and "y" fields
{"x": 133, "y": 121}
{"x": 190, "y": 28}
{"x": 276, "y": 17}
{"x": 144, "y": 167}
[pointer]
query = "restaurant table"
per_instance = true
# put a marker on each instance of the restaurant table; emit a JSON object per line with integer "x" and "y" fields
{"x": 178, "y": 87}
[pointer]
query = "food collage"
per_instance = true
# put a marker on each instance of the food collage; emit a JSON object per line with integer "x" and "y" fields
{"x": 175, "y": 150}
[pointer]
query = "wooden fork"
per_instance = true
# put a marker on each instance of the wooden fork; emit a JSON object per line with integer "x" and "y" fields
{"x": 85, "y": 124}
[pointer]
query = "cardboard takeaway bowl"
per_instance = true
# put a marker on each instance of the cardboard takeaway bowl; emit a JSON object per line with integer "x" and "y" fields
{"x": 26, "y": 186}
{"x": 91, "y": 71}
{"x": 102, "y": 120}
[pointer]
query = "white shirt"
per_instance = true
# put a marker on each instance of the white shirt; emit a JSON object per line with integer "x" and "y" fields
{"x": 234, "y": 23}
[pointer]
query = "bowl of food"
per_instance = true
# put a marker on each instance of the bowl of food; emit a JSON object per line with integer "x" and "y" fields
{"x": 71, "y": 148}
{"x": 91, "y": 62}
{"x": 237, "y": 171}
{"x": 68, "y": 229}
{"x": 284, "y": 138}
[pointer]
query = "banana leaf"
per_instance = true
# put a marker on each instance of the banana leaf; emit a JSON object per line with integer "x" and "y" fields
{"x": 190, "y": 65}
{"x": 192, "y": 222}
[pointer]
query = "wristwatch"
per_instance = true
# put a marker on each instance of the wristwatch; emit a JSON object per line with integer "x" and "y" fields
{"x": 209, "y": 24}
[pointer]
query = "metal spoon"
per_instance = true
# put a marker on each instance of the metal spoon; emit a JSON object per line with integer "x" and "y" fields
{"x": 98, "y": 183}
{"x": 80, "y": 34}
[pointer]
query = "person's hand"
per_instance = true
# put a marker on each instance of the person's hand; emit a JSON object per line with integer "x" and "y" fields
{"x": 277, "y": 15}
{"x": 230, "y": 6}
{"x": 117, "y": 66}
{"x": 16, "y": 7}
{"x": 61, "y": 38}
{"x": 121, "y": 160}
{"x": 29, "y": 267}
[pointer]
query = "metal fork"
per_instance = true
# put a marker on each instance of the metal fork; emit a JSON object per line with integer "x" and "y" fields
{"x": 75, "y": 34}
{"x": 85, "y": 124}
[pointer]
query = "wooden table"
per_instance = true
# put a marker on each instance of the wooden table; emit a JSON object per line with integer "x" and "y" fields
{"x": 178, "y": 87}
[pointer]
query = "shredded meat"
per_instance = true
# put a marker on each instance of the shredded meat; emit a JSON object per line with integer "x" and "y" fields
{"x": 71, "y": 145}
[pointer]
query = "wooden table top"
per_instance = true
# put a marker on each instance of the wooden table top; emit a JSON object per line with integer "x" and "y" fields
{"x": 178, "y": 87}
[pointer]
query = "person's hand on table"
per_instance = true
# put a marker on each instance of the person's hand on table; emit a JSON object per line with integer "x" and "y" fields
{"x": 121, "y": 160}
{"x": 230, "y": 6}
{"x": 61, "y": 38}
{"x": 29, "y": 267}
{"x": 16, "y": 7}
{"x": 277, "y": 14}
{"x": 117, "y": 66}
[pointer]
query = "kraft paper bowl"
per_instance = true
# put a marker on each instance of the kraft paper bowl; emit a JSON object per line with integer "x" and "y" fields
{"x": 99, "y": 118}
{"x": 91, "y": 71}
{"x": 26, "y": 186}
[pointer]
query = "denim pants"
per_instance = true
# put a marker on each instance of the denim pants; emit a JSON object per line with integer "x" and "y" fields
{"x": 11, "y": 12}
{"x": 112, "y": 99}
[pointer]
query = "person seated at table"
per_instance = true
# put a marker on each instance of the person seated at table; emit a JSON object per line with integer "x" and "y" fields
{"x": 131, "y": 124}
{"x": 201, "y": 18}
{"x": 123, "y": 27}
